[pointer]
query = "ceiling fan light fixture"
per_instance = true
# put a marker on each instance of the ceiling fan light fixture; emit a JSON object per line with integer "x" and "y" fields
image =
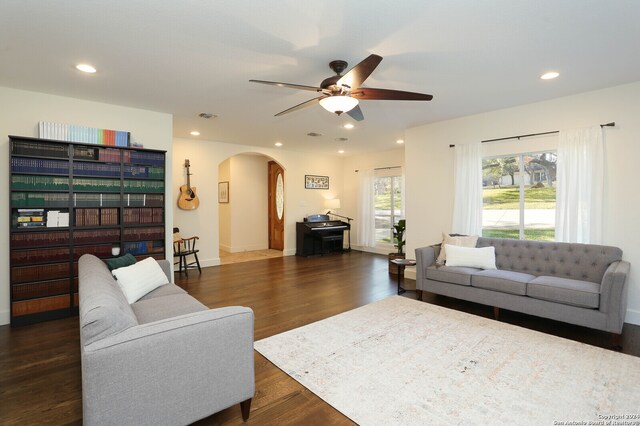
{"x": 339, "y": 103}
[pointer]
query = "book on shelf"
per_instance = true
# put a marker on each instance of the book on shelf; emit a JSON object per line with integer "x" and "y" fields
{"x": 38, "y": 165}
{"x": 83, "y": 134}
{"x": 57, "y": 219}
{"x": 40, "y": 149}
{"x": 37, "y": 182}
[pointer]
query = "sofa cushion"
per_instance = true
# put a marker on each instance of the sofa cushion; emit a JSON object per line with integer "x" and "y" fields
{"x": 170, "y": 306}
{"x": 571, "y": 292}
{"x": 471, "y": 257}
{"x": 104, "y": 310}
{"x": 456, "y": 240}
{"x": 163, "y": 290}
{"x": 140, "y": 278}
{"x": 502, "y": 281}
{"x": 574, "y": 261}
{"x": 451, "y": 274}
{"x": 120, "y": 262}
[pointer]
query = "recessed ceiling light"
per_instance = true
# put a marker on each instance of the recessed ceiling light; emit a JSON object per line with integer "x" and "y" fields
{"x": 278, "y": 144}
{"x": 314, "y": 134}
{"x": 400, "y": 141}
{"x": 341, "y": 139}
{"x": 348, "y": 126}
{"x": 85, "y": 68}
{"x": 549, "y": 75}
{"x": 341, "y": 151}
{"x": 195, "y": 133}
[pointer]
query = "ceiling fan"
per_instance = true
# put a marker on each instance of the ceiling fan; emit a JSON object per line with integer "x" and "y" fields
{"x": 342, "y": 93}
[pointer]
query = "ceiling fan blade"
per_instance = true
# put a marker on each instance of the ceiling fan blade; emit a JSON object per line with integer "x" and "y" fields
{"x": 290, "y": 86}
{"x": 358, "y": 74}
{"x": 356, "y": 113}
{"x": 368, "y": 93}
{"x": 300, "y": 106}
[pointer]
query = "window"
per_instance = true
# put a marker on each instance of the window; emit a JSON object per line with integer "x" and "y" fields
{"x": 519, "y": 196}
{"x": 388, "y": 194}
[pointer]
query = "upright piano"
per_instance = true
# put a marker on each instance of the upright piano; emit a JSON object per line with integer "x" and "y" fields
{"x": 317, "y": 234}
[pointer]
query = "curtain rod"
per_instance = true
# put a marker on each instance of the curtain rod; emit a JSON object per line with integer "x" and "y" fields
{"x": 382, "y": 168}
{"x": 612, "y": 124}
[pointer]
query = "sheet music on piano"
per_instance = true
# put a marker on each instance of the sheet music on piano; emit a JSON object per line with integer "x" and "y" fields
{"x": 318, "y": 235}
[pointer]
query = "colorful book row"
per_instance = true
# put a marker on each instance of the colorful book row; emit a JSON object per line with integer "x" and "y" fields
{"x": 91, "y": 135}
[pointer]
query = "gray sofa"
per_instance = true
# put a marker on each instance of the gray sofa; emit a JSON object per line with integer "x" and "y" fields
{"x": 164, "y": 360}
{"x": 580, "y": 284}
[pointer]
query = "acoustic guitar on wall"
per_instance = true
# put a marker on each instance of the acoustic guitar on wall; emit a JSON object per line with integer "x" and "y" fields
{"x": 188, "y": 199}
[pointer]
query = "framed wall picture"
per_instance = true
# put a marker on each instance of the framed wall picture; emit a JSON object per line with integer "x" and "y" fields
{"x": 316, "y": 182}
{"x": 223, "y": 192}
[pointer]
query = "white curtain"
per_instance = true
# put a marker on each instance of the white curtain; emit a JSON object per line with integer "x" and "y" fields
{"x": 467, "y": 205}
{"x": 580, "y": 186}
{"x": 366, "y": 224}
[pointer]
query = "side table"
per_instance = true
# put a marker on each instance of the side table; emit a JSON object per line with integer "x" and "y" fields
{"x": 402, "y": 263}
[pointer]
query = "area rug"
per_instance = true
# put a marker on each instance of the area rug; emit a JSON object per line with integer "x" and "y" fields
{"x": 403, "y": 362}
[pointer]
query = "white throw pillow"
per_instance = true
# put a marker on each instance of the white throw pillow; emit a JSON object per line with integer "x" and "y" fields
{"x": 460, "y": 240}
{"x": 484, "y": 258}
{"x": 139, "y": 279}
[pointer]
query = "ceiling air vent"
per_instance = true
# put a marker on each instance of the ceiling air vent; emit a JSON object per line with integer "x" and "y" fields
{"x": 206, "y": 115}
{"x": 314, "y": 134}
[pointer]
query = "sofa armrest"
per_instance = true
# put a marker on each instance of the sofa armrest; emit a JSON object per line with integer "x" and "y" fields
{"x": 425, "y": 256}
{"x": 172, "y": 371}
{"x": 613, "y": 291}
{"x": 166, "y": 268}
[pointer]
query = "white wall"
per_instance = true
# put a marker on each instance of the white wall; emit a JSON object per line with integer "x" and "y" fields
{"x": 248, "y": 198}
{"x": 21, "y": 112}
{"x": 206, "y": 156}
{"x": 429, "y": 163}
{"x": 224, "y": 209}
{"x": 349, "y": 202}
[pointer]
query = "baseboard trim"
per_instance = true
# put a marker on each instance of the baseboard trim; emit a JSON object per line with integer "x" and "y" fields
{"x": 5, "y": 317}
{"x": 633, "y": 317}
{"x": 289, "y": 252}
{"x": 375, "y": 250}
{"x": 210, "y": 262}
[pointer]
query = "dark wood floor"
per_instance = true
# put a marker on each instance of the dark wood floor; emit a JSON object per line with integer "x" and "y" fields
{"x": 40, "y": 364}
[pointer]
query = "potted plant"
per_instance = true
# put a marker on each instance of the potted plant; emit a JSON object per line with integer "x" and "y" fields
{"x": 398, "y": 237}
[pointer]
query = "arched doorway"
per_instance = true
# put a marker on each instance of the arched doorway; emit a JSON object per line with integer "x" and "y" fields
{"x": 245, "y": 218}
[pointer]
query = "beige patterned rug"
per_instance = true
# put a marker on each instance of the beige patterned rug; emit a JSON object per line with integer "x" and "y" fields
{"x": 403, "y": 362}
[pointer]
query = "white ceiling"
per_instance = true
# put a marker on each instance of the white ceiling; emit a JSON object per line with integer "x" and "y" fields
{"x": 190, "y": 56}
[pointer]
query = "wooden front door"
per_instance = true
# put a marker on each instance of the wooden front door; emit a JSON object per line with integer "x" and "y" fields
{"x": 276, "y": 206}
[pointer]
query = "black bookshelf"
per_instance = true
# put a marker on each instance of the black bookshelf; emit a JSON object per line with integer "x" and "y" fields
{"x": 68, "y": 199}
